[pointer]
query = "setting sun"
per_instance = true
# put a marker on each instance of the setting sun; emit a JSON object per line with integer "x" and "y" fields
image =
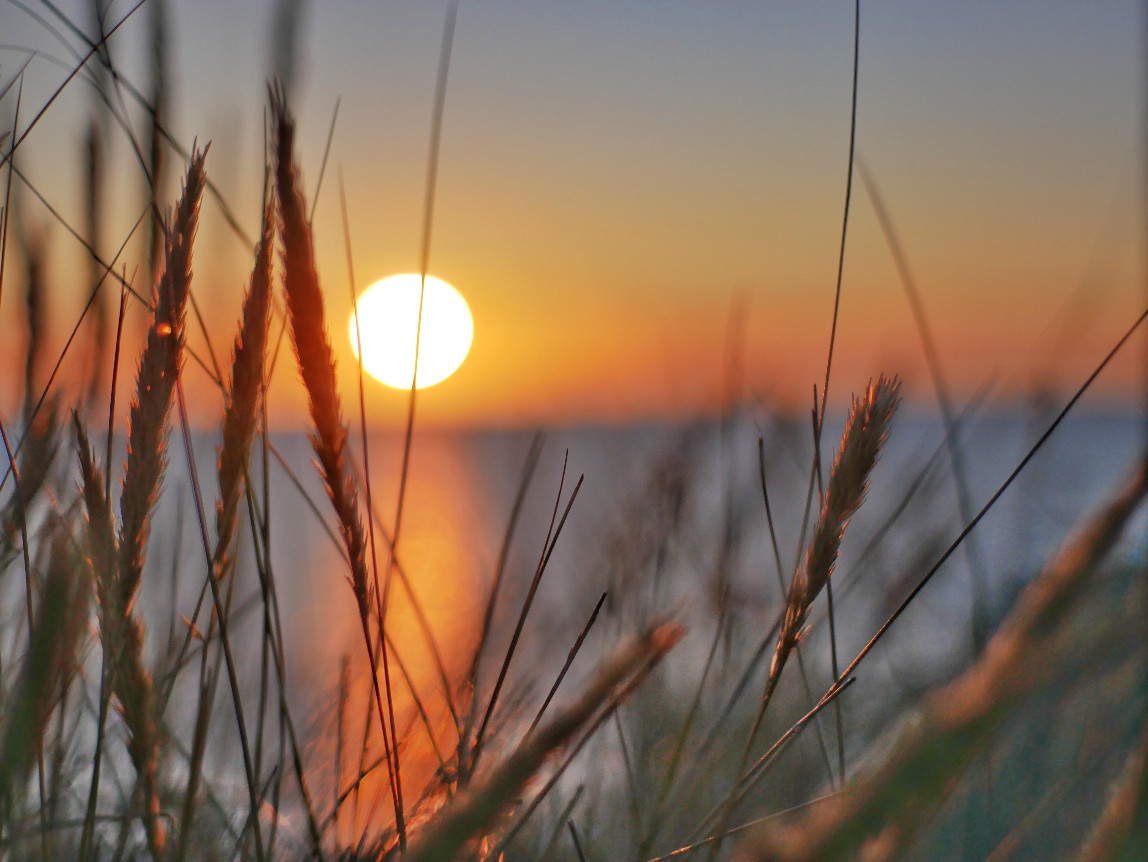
{"x": 389, "y": 321}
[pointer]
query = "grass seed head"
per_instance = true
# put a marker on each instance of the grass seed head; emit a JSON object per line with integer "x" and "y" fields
{"x": 866, "y": 431}
{"x": 241, "y": 412}
{"x": 159, "y": 369}
{"x": 313, "y": 350}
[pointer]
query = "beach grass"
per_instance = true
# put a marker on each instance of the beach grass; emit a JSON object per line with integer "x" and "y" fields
{"x": 681, "y": 723}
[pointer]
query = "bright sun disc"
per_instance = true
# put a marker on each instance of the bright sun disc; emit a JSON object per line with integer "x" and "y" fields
{"x": 389, "y": 321}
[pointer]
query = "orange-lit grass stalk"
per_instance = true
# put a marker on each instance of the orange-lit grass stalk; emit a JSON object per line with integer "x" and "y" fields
{"x": 384, "y": 641}
{"x": 117, "y": 560}
{"x": 865, "y": 433}
{"x": 241, "y": 413}
{"x": 476, "y": 811}
{"x": 329, "y": 440}
{"x": 239, "y": 423}
{"x": 159, "y": 369}
{"x": 101, "y": 549}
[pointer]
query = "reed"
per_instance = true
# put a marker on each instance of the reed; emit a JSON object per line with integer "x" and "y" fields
{"x": 159, "y": 368}
{"x": 118, "y": 556}
{"x": 879, "y": 816}
{"x": 316, "y": 364}
{"x": 241, "y": 413}
{"x": 240, "y": 417}
{"x": 313, "y": 353}
{"x": 865, "y": 433}
{"x": 866, "y": 430}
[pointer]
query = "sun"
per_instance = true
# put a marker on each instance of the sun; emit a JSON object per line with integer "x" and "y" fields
{"x": 388, "y": 323}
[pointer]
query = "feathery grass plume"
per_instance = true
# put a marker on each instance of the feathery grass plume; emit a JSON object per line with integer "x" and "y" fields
{"x": 101, "y": 533}
{"x": 239, "y": 421}
{"x": 159, "y": 368}
{"x": 477, "y": 810}
{"x": 329, "y": 438}
{"x": 865, "y": 433}
{"x": 101, "y": 562}
{"x": 314, "y": 355}
{"x": 122, "y": 637}
{"x": 877, "y": 817}
{"x": 242, "y": 410}
{"x": 55, "y": 635}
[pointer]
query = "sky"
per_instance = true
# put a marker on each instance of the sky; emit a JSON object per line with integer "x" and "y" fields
{"x": 631, "y": 193}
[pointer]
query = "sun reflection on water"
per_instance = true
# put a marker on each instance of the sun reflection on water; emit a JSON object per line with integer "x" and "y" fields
{"x": 435, "y": 601}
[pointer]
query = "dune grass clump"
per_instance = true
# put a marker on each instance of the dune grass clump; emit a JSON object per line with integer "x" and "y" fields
{"x": 1039, "y": 645}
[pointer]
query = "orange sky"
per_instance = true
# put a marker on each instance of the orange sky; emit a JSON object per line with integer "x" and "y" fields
{"x": 615, "y": 180}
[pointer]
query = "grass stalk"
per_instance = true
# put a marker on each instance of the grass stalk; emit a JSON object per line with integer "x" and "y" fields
{"x": 865, "y": 433}
{"x": 1028, "y": 654}
{"x": 548, "y": 549}
{"x": 530, "y": 464}
{"x": 159, "y": 370}
{"x": 239, "y": 425}
{"x": 317, "y": 368}
{"x": 984, "y": 510}
{"x": 476, "y": 810}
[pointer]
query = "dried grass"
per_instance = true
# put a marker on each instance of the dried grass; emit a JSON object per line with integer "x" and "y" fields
{"x": 877, "y": 818}
{"x": 474, "y": 813}
{"x": 313, "y": 353}
{"x": 316, "y": 363}
{"x": 241, "y": 412}
{"x": 866, "y": 431}
{"x": 468, "y": 807}
{"x": 118, "y": 559}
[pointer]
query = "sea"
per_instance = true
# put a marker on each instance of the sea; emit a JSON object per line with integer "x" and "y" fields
{"x": 666, "y": 519}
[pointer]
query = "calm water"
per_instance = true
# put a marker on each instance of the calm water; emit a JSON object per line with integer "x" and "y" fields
{"x": 659, "y": 505}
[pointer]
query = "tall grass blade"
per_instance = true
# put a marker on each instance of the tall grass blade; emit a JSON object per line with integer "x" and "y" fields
{"x": 865, "y": 433}
{"x": 329, "y": 439}
{"x": 159, "y": 369}
{"x": 475, "y": 811}
{"x": 883, "y": 811}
